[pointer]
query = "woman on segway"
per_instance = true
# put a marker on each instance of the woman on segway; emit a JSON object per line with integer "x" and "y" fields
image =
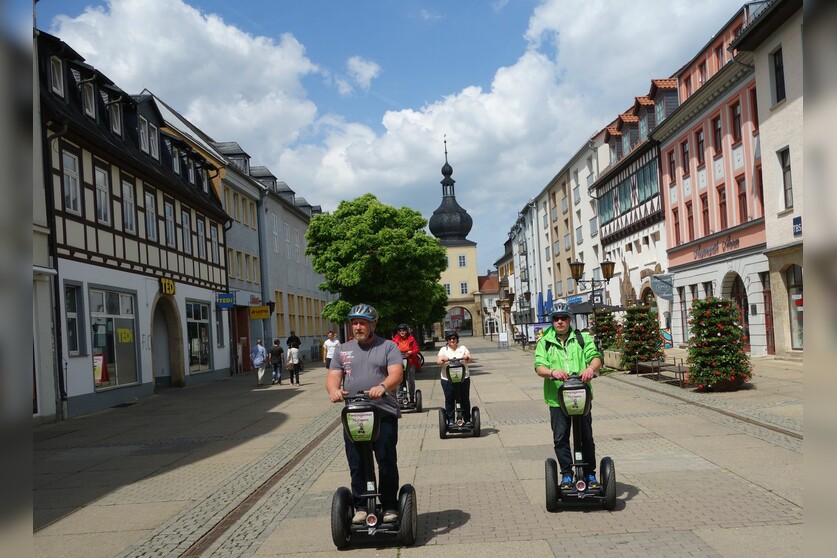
{"x": 451, "y": 350}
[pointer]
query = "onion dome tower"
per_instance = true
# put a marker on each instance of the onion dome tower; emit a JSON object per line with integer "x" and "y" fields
{"x": 450, "y": 223}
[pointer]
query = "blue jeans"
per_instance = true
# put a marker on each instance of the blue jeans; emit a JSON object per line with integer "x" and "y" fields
{"x": 277, "y": 372}
{"x": 464, "y": 397}
{"x": 561, "y": 426}
{"x": 387, "y": 457}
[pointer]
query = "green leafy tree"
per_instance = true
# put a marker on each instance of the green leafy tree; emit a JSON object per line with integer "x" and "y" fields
{"x": 605, "y": 328}
{"x": 641, "y": 339}
{"x": 717, "y": 359}
{"x": 371, "y": 252}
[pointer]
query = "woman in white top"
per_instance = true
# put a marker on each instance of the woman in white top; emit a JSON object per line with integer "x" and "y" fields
{"x": 453, "y": 349}
{"x": 293, "y": 362}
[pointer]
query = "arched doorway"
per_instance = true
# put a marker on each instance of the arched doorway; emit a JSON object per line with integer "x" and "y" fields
{"x": 167, "y": 344}
{"x": 738, "y": 294}
{"x": 459, "y": 319}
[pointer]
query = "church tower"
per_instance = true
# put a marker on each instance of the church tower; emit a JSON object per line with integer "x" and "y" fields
{"x": 450, "y": 224}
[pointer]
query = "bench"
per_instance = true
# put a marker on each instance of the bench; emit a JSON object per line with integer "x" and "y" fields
{"x": 676, "y": 367}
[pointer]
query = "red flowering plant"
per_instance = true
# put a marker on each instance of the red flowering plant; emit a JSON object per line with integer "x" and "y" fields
{"x": 605, "y": 327}
{"x": 717, "y": 359}
{"x": 641, "y": 339}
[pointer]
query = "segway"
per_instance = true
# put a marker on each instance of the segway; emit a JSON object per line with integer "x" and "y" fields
{"x": 361, "y": 421}
{"x": 455, "y": 373}
{"x": 575, "y": 401}
{"x": 402, "y": 394}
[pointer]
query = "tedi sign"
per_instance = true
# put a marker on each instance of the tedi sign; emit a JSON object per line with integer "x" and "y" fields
{"x": 724, "y": 245}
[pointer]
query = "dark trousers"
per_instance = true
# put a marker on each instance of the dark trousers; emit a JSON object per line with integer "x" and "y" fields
{"x": 561, "y": 438}
{"x": 464, "y": 396}
{"x": 387, "y": 457}
{"x": 295, "y": 373}
{"x": 410, "y": 379}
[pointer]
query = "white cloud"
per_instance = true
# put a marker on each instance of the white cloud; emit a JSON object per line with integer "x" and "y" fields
{"x": 585, "y": 63}
{"x": 362, "y": 71}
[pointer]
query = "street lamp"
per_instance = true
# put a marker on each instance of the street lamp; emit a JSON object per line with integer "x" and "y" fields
{"x": 577, "y": 270}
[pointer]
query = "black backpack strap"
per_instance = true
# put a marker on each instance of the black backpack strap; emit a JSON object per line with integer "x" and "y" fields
{"x": 579, "y": 338}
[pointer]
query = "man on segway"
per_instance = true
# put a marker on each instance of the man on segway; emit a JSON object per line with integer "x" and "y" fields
{"x": 409, "y": 348}
{"x": 563, "y": 351}
{"x": 370, "y": 364}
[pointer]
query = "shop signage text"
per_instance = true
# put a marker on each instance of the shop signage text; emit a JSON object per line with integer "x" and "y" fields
{"x": 259, "y": 312}
{"x": 225, "y": 300}
{"x": 166, "y": 286}
{"x": 725, "y": 245}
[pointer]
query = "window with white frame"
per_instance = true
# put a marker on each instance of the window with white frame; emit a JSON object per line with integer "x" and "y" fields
{"x": 143, "y": 134}
{"x": 547, "y": 255}
{"x": 461, "y": 261}
{"x": 153, "y": 141}
{"x": 201, "y": 228}
{"x": 115, "y": 111}
{"x": 129, "y": 208}
{"x": 447, "y": 288}
{"x": 168, "y": 209}
{"x": 643, "y": 127}
{"x": 191, "y": 171}
{"x": 570, "y": 285}
{"x": 463, "y": 287}
{"x": 594, "y": 227}
{"x": 186, "y": 230}
{"x": 175, "y": 160}
{"x": 72, "y": 190}
{"x": 89, "y": 100}
{"x": 660, "y": 109}
{"x": 787, "y": 182}
{"x": 275, "y": 233}
{"x": 56, "y": 67}
{"x": 74, "y": 319}
{"x": 213, "y": 240}
{"x": 567, "y": 242}
{"x": 577, "y": 194}
{"x": 102, "y": 196}
{"x": 296, "y": 244}
{"x": 559, "y": 287}
{"x": 564, "y": 205}
{"x": 197, "y": 333}
{"x": 579, "y": 235}
{"x": 556, "y": 247}
{"x": 150, "y": 216}
{"x": 114, "y": 343}
{"x": 287, "y": 241}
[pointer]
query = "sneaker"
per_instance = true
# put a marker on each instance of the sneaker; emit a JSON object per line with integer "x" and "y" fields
{"x": 390, "y": 516}
{"x": 592, "y": 482}
{"x": 567, "y": 482}
{"x": 359, "y": 517}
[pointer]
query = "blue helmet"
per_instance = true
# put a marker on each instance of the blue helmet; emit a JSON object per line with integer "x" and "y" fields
{"x": 364, "y": 311}
{"x": 560, "y": 308}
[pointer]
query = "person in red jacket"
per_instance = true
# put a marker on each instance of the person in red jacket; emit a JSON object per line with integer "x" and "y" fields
{"x": 409, "y": 348}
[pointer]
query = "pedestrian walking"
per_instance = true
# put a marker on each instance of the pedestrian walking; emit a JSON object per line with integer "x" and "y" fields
{"x": 258, "y": 356}
{"x": 329, "y": 346}
{"x": 276, "y": 356}
{"x": 294, "y": 363}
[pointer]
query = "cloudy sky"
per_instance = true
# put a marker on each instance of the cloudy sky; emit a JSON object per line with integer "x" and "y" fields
{"x": 340, "y": 97}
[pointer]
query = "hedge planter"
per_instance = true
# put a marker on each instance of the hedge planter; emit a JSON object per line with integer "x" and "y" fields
{"x": 613, "y": 359}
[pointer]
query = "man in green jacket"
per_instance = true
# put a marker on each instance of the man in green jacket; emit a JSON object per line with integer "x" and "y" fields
{"x": 561, "y": 352}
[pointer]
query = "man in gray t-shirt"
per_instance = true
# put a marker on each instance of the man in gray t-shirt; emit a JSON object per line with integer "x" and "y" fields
{"x": 373, "y": 365}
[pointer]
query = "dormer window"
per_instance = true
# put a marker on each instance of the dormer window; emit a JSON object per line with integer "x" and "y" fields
{"x": 626, "y": 142}
{"x": 116, "y": 118}
{"x": 175, "y": 160}
{"x": 89, "y": 100}
{"x": 143, "y": 134}
{"x": 153, "y": 141}
{"x": 57, "y": 73}
{"x": 191, "y": 172}
{"x": 643, "y": 127}
{"x": 660, "y": 107}
{"x": 205, "y": 181}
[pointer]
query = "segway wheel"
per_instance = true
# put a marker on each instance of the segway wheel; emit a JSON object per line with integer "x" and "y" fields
{"x": 418, "y": 400}
{"x": 443, "y": 424}
{"x": 408, "y": 515}
{"x": 341, "y": 518}
{"x": 475, "y": 420}
{"x": 608, "y": 472}
{"x": 553, "y": 490}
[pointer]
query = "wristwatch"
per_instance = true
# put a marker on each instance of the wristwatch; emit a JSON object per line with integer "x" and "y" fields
{"x": 383, "y": 386}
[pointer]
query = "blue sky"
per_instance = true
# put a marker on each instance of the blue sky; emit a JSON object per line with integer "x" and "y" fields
{"x": 339, "y": 98}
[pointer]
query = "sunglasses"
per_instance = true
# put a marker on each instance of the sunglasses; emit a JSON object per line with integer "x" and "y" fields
{"x": 560, "y": 318}
{"x": 402, "y": 329}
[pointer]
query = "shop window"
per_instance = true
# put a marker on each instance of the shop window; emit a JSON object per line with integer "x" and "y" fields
{"x": 197, "y": 331}
{"x": 74, "y": 316}
{"x": 793, "y": 277}
{"x": 113, "y": 327}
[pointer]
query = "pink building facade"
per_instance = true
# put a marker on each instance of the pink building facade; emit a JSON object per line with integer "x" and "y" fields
{"x": 713, "y": 189}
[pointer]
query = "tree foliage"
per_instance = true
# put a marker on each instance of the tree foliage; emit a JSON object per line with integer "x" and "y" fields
{"x": 371, "y": 252}
{"x": 605, "y": 328}
{"x": 641, "y": 339}
{"x": 716, "y": 348}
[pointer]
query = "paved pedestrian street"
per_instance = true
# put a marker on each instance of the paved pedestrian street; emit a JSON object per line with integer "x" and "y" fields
{"x": 228, "y": 469}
